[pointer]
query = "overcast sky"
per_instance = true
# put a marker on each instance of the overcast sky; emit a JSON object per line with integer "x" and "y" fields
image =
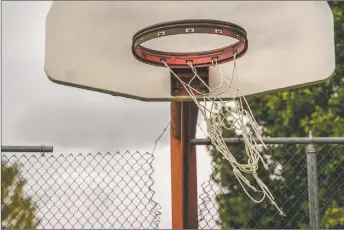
{"x": 36, "y": 111}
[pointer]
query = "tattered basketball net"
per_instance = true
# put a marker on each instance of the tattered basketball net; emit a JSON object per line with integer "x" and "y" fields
{"x": 216, "y": 122}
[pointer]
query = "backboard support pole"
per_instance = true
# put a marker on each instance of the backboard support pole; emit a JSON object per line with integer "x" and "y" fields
{"x": 183, "y": 165}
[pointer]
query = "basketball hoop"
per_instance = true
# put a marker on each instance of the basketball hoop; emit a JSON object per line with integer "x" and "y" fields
{"x": 190, "y": 72}
{"x": 198, "y": 59}
{"x": 96, "y": 58}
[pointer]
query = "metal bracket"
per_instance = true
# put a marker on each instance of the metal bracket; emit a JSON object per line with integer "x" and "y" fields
{"x": 186, "y": 74}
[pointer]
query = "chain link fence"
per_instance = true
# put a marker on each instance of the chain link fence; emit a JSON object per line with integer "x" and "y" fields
{"x": 114, "y": 191}
{"x": 78, "y": 191}
{"x": 307, "y": 203}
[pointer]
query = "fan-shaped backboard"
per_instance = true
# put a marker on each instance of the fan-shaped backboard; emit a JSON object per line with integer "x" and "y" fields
{"x": 88, "y": 44}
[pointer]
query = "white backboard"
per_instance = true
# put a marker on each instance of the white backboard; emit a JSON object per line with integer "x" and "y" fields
{"x": 88, "y": 44}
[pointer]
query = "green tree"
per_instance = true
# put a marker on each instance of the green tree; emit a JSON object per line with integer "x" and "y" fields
{"x": 294, "y": 113}
{"x": 17, "y": 212}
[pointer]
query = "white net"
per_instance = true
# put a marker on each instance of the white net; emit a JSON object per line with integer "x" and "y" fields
{"x": 221, "y": 116}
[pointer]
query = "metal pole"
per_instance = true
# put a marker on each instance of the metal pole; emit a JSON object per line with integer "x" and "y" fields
{"x": 183, "y": 165}
{"x": 27, "y": 149}
{"x": 313, "y": 197}
{"x": 277, "y": 140}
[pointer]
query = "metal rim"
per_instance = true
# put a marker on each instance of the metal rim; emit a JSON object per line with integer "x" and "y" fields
{"x": 198, "y": 59}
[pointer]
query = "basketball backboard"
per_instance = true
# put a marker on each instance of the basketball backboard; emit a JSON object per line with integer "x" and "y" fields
{"x": 88, "y": 44}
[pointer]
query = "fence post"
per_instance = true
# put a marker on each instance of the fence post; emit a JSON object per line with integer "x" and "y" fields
{"x": 312, "y": 174}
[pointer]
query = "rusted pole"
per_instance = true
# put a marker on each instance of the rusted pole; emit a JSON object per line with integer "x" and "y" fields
{"x": 183, "y": 165}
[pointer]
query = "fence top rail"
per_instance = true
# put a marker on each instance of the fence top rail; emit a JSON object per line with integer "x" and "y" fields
{"x": 27, "y": 149}
{"x": 277, "y": 140}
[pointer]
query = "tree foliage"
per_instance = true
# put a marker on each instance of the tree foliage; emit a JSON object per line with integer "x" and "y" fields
{"x": 17, "y": 211}
{"x": 293, "y": 113}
